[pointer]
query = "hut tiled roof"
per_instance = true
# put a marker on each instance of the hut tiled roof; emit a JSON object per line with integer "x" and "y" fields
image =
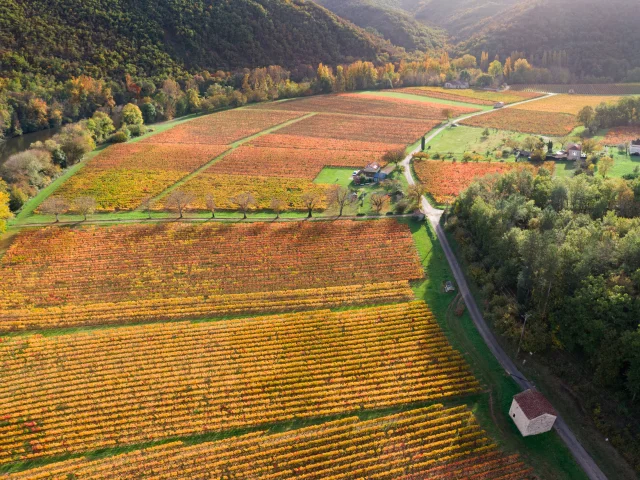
{"x": 534, "y": 404}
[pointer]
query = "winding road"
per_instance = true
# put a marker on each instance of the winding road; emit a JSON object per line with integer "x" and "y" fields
{"x": 434, "y": 215}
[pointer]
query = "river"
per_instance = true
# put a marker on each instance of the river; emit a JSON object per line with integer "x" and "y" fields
{"x": 18, "y": 144}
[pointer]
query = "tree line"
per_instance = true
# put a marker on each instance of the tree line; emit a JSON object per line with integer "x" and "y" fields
{"x": 558, "y": 261}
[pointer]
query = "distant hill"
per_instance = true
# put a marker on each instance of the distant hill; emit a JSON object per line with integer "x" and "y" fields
{"x": 166, "y": 37}
{"x": 600, "y": 37}
{"x": 389, "y": 20}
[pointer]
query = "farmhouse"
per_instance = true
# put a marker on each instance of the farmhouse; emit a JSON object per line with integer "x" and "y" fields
{"x": 456, "y": 85}
{"x": 634, "y": 148}
{"x": 574, "y": 151}
{"x": 532, "y": 413}
{"x": 373, "y": 173}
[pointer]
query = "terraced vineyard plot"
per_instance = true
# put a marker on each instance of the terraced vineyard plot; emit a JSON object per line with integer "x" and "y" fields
{"x": 122, "y": 176}
{"x": 479, "y": 97}
{"x": 263, "y": 188}
{"x": 361, "y": 104}
{"x": 86, "y": 391}
{"x": 583, "y": 89}
{"x": 435, "y": 443}
{"x": 223, "y": 128}
{"x": 61, "y": 276}
{"x": 619, "y": 135}
{"x": 446, "y": 180}
{"x": 286, "y": 162}
{"x": 353, "y": 127}
{"x": 570, "y": 104}
{"x": 540, "y": 123}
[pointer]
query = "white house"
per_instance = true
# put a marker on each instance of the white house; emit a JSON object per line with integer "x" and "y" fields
{"x": 574, "y": 151}
{"x": 634, "y": 147}
{"x": 456, "y": 85}
{"x": 532, "y": 413}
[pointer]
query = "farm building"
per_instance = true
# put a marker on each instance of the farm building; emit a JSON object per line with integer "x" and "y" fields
{"x": 456, "y": 85}
{"x": 532, "y": 413}
{"x": 498, "y": 105}
{"x": 634, "y": 148}
{"x": 574, "y": 151}
{"x": 373, "y": 173}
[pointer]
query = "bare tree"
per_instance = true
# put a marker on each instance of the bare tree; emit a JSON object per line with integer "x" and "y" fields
{"x": 244, "y": 201}
{"x": 147, "y": 206}
{"x": 84, "y": 206}
{"x": 379, "y": 201}
{"x": 311, "y": 200}
{"x": 211, "y": 204}
{"x": 340, "y": 196}
{"x": 179, "y": 200}
{"x": 394, "y": 156}
{"x": 54, "y": 206}
{"x": 278, "y": 205}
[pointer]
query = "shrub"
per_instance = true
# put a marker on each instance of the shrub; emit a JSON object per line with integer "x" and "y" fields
{"x": 121, "y": 136}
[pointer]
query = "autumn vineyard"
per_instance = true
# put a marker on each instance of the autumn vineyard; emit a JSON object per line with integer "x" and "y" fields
{"x": 149, "y": 338}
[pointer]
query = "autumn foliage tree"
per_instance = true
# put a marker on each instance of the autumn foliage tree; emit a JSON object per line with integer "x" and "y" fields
{"x": 179, "y": 200}
{"x": 210, "y": 200}
{"x": 244, "y": 201}
{"x": 278, "y": 206}
{"x": 394, "y": 156}
{"x": 84, "y": 205}
{"x": 54, "y": 206}
{"x": 379, "y": 201}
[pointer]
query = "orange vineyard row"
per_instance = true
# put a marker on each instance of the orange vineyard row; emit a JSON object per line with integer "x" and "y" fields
{"x": 58, "y": 266}
{"x": 478, "y": 97}
{"x": 264, "y": 189}
{"x": 370, "y": 105}
{"x": 435, "y": 442}
{"x": 286, "y": 162}
{"x": 80, "y": 392}
{"x": 446, "y": 180}
{"x": 122, "y": 176}
{"x": 223, "y": 128}
{"x": 181, "y": 308}
{"x": 619, "y": 135}
{"x": 540, "y": 123}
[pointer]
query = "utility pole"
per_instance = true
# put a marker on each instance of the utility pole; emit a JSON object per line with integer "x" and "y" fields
{"x": 526, "y": 317}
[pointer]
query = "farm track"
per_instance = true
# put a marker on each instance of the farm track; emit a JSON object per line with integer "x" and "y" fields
{"x": 580, "y": 455}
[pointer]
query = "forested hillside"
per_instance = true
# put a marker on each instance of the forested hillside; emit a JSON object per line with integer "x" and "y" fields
{"x": 601, "y": 38}
{"x": 101, "y": 38}
{"x": 394, "y": 24}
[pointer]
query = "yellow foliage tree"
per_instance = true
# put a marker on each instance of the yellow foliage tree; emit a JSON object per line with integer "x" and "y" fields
{"x": 5, "y": 213}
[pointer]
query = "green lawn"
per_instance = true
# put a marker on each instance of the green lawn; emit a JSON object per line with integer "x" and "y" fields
{"x": 461, "y": 139}
{"x": 420, "y": 98}
{"x": 545, "y": 453}
{"x": 335, "y": 176}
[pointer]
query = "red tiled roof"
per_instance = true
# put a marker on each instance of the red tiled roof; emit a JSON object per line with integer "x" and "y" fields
{"x": 534, "y": 404}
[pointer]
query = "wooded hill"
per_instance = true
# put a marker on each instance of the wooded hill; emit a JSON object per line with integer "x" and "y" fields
{"x": 153, "y": 38}
{"x": 394, "y": 24}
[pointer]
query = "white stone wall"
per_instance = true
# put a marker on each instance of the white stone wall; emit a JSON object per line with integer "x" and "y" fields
{"x": 541, "y": 424}
{"x": 519, "y": 418}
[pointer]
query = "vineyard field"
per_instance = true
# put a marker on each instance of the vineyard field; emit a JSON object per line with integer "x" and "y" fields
{"x": 224, "y": 128}
{"x": 583, "y": 89}
{"x": 122, "y": 176}
{"x": 369, "y": 105}
{"x": 525, "y": 121}
{"x": 569, "y": 104}
{"x": 446, "y": 180}
{"x": 479, "y": 97}
{"x": 80, "y": 392}
{"x": 47, "y": 271}
{"x": 436, "y": 442}
{"x": 365, "y": 129}
{"x": 263, "y": 188}
{"x": 619, "y": 135}
{"x": 286, "y": 162}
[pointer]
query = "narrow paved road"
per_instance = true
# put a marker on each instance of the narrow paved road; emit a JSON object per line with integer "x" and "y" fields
{"x": 434, "y": 215}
